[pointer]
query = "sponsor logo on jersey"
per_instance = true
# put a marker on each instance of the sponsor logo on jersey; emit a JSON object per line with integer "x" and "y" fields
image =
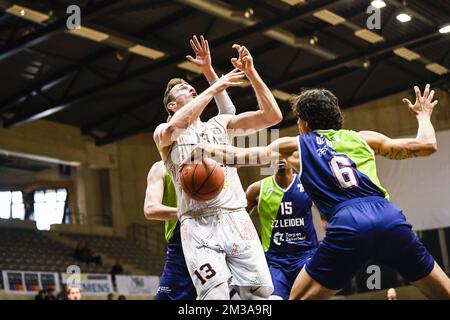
{"x": 285, "y": 223}
{"x": 300, "y": 187}
{"x": 322, "y": 151}
{"x": 278, "y": 238}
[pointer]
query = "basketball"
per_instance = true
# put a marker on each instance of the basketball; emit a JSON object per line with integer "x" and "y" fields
{"x": 202, "y": 181}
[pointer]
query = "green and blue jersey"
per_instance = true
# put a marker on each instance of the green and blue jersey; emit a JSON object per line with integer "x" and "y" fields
{"x": 171, "y": 227}
{"x": 336, "y": 166}
{"x": 285, "y": 218}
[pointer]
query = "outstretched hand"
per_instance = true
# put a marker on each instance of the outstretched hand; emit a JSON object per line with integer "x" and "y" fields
{"x": 202, "y": 54}
{"x": 231, "y": 79}
{"x": 424, "y": 104}
{"x": 245, "y": 60}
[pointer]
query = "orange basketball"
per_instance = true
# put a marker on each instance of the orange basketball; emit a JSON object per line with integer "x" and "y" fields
{"x": 202, "y": 181}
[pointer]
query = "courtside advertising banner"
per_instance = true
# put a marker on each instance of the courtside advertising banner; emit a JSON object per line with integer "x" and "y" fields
{"x": 137, "y": 285}
{"x": 93, "y": 283}
{"x": 29, "y": 282}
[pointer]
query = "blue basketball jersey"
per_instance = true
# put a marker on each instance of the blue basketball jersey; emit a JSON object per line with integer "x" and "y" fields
{"x": 336, "y": 166}
{"x": 286, "y": 218}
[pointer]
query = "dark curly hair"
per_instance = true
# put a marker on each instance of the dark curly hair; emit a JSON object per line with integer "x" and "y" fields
{"x": 319, "y": 108}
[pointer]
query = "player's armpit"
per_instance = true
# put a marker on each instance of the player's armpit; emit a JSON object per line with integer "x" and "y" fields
{"x": 397, "y": 149}
{"x": 163, "y": 135}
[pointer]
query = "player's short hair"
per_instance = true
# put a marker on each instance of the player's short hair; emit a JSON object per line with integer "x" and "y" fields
{"x": 168, "y": 96}
{"x": 319, "y": 108}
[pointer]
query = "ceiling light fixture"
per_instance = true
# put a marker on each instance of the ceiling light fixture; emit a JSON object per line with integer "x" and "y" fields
{"x": 378, "y": 4}
{"x": 248, "y": 13}
{"x": 313, "y": 40}
{"x": 403, "y": 17}
{"x": 445, "y": 29}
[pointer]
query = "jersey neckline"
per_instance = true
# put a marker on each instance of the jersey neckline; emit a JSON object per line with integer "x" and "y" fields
{"x": 282, "y": 189}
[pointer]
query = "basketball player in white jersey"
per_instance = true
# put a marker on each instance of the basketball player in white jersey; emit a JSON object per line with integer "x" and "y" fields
{"x": 218, "y": 236}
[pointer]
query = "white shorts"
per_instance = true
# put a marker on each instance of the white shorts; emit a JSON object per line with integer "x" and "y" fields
{"x": 222, "y": 245}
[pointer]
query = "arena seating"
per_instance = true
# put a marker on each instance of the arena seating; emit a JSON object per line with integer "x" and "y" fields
{"x": 23, "y": 249}
{"x": 122, "y": 249}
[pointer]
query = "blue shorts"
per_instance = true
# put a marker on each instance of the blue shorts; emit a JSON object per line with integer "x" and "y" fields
{"x": 175, "y": 282}
{"x": 284, "y": 269}
{"x": 363, "y": 229}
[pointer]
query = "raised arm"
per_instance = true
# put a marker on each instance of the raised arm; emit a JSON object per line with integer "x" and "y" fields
{"x": 424, "y": 144}
{"x": 203, "y": 61}
{"x": 269, "y": 113}
{"x": 153, "y": 207}
{"x": 252, "y": 194}
{"x": 168, "y": 132}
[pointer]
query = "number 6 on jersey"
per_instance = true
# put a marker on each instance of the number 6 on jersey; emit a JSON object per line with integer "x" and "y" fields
{"x": 343, "y": 172}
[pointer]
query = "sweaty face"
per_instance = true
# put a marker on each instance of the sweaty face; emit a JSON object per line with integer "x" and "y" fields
{"x": 182, "y": 94}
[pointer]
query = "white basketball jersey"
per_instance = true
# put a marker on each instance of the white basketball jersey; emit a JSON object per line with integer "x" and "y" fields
{"x": 232, "y": 196}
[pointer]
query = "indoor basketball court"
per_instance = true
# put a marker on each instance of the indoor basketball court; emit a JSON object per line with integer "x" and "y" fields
{"x": 224, "y": 150}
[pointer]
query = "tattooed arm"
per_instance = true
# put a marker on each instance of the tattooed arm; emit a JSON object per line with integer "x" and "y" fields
{"x": 425, "y": 142}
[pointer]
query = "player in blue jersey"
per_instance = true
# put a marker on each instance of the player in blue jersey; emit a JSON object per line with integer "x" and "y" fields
{"x": 338, "y": 171}
{"x": 287, "y": 230}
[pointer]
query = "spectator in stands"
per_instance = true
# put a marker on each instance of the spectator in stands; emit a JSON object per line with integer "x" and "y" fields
{"x": 63, "y": 294}
{"x": 73, "y": 293}
{"x": 50, "y": 294}
{"x": 110, "y": 296}
{"x": 78, "y": 253}
{"x": 42, "y": 295}
{"x": 392, "y": 294}
{"x": 116, "y": 269}
{"x": 85, "y": 254}
{"x": 122, "y": 297}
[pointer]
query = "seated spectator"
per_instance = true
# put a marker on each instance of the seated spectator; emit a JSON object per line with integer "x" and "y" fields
{"x": 122, "y": 297}
{"x": 392, "y": 294}
{"x": 42, "y": 295}
{"x": 110, "y": 296}
{"x": 84, "y": 254}
{"x": 63, "y": 294}
{"x": 78, "y": 253}
{"x": 50, "y": 294}
{"x": 73, "y": 293}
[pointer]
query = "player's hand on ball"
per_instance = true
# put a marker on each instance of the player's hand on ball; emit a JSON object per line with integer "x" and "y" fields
{"x": 245, "y": 60}
{"x": 424, "y": 105}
